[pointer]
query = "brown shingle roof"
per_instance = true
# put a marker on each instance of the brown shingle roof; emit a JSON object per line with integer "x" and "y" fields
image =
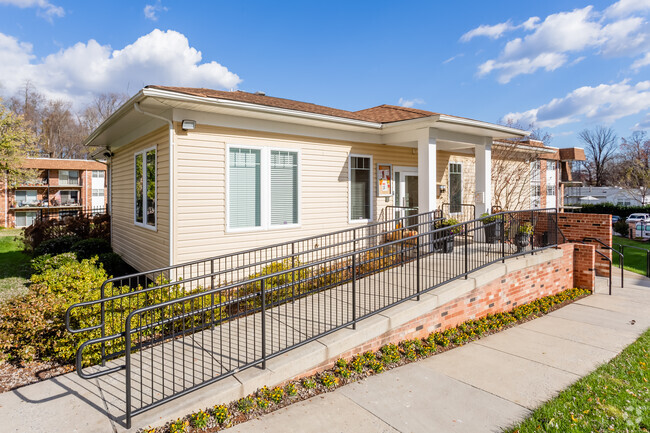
{"x": 393, "y": 113}
{"x": 380, "y": 114}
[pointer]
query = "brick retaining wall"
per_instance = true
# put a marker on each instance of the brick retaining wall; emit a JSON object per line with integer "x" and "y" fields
{"x": 575, "y": 268}
{"x": 577, "y": 226}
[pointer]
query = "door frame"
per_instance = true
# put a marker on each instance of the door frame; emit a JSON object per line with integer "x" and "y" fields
{"x": 401, "y": 185}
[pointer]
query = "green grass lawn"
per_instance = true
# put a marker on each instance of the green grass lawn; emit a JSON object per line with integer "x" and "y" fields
{"x": 615, "y": 397}
{"x": 635, "y": 260}
{"x": 14, "y": 265}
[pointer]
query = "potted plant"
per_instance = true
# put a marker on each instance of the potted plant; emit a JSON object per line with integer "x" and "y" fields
{"x": 490, "y": 226}
{"x": 443, "y": 240}
{"x": 522, "y": 237}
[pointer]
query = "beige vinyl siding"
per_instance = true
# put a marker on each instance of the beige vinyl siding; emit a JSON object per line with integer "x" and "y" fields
{"x": 142, "y": 248}
{"x": 200, "y": 209}
{"x": 443, "y": 159}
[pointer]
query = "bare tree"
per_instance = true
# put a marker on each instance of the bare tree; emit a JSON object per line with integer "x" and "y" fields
{"x": 633, "y": 166}
{"x": 101, "y": 108}
{"x": 512, "y": 167}
{"x": 59, "y": 129}
{"x": 600, "y": 149}
{"x": 512, "y": 171}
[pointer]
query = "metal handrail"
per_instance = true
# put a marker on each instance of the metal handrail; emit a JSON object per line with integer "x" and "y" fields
{"x": 620, "y": 262}
{"x": 416, "y": 247}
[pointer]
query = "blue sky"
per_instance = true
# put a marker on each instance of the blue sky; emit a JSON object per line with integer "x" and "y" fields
{"x": 563, "y": 65}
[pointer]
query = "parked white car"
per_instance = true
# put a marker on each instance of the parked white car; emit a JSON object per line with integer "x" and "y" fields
{"x": 637, "y": 217}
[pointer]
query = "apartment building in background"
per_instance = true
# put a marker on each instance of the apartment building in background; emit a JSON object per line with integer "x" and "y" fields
{"x": 60, "y": 187}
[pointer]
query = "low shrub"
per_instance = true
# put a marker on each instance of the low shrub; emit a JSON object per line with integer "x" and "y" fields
{"x": 33, "y": 324}
{"x": 82, "y": 227}
{"x": 114, "y": 265}
{"x": 45, "y": 262}
{"x": 622, "y": 228}
{"x": 87, "y": 248}
{"x": 56, "y": 246}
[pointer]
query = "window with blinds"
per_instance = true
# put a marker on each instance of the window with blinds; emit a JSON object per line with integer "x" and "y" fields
{"x": 284, "y": 187}
{"x": 26, "y": 197}
{"x": 360, "y": 188}
{"x": 244, "y": 188}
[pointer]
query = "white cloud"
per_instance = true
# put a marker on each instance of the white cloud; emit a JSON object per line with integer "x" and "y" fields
{"x": 493, "y": 32}
{"x": 45, "y": 8}
{"x": 451, "y": 59}
{"x": 641, "y": 62}
{"x": 626, "y": 7}
{"x": 548, "y": 44}
{"x": 151, "y": 11}
{"x": 77, "y": 72}
{"x": 409, "y": 103}
{"x": 643, "y": 124}
{"x": 605, "y": 103}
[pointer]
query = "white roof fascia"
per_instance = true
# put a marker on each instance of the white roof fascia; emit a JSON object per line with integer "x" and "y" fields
{"x": 485, "y": 125}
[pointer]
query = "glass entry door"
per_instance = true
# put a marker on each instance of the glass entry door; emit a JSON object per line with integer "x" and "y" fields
{"x": 406, "y": 193}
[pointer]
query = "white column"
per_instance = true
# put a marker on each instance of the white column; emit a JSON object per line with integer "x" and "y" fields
{"x": 483, "y": 173}
{"x": 427, "y": 171}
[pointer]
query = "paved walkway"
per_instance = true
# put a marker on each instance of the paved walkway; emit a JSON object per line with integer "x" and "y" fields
{"x": 486, "y": 385}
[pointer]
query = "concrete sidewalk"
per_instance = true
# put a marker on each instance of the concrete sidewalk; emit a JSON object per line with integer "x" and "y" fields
{"x": 486, "y": 385}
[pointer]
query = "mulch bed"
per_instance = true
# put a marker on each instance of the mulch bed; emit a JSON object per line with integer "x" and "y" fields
{"x": 15, "y": 376}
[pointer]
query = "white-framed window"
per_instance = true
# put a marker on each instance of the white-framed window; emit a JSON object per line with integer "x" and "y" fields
{"x": 455, "y": 187}
{"x": 535, "y": 185}
{"x": 25, "y": 219}
{"x": 68, "y": 177}
{"x": 145, "y": 188}
{"x": 98, "y": 174}
{"x": 262, "y": 188}
{"x": 69, "y": 198}
{"x": 98, "y": 192}
{"x": 360, "y": 181}
{"x": 26, "y": 198}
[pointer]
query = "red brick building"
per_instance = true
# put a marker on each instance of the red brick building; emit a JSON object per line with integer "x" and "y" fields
{"x": 61, "y": 187}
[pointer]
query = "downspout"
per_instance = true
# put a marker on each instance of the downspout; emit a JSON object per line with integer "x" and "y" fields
{"x": 136, "y": 106}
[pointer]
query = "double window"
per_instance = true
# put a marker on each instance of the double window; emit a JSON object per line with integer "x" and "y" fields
{"x": 68, "y": 177}
{"x": 360, "y": 187}
{"x": 145, "y": 188}
{"x": 25, "y": 219}
{"x": 26, "y": 198}
{"x": 262, "y": 188}
{"x": 69, "y": 198}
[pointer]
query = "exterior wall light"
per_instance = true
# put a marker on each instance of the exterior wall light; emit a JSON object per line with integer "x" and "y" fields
{"x": 188, "y": 125}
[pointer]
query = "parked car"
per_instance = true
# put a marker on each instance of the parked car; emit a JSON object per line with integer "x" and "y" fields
{"x": 636, "y": 217}
{"x": 615, "y": 219}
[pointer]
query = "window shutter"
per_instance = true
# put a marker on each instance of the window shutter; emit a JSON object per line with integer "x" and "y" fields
{"x": 244, "y": 189}
{"x": 284, "y": 187}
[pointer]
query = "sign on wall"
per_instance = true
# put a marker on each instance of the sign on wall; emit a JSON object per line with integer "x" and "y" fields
{"x": 384, "y": 180}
